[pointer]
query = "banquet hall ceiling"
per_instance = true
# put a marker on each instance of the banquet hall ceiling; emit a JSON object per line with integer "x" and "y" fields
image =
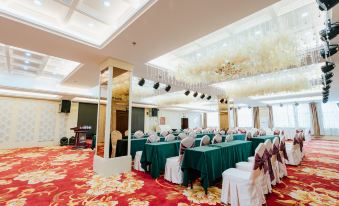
{"x": 161, "y": 28}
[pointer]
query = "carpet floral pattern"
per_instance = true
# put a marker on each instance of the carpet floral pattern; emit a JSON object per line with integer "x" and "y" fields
{"x": 61, "y": 176}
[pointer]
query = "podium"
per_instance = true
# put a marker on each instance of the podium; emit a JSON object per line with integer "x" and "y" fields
{"x": 80, "y": 137}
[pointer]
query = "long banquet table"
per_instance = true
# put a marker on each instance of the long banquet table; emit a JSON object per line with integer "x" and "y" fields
{"x": 155, "y": 155}
{"x": 261, "y": 139}
{"x": 209, "y": 162}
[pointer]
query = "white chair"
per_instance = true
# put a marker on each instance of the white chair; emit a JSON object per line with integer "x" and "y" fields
{"x": 137, "y": 165}
{"x": 193, "y": 134}
{"x": 265, "y": 181}
{"x": 170, "y": 131}
{"x": 217, "y": 139}
{"x": 164, "y": 133}
{"x": 169, "y": 138}
{"x": 126, "y": 133}
{"x": 173, "y": 171}
{"x": 138, "y": 134}
{"x": 229, "y": 138}
{"x": 283, "y": 155}
{"x": 275, "y": 160}
{"x": 293, "y": 152}
{"x": 182, "y": 136}
{"x": 222, "y": 132}
{"x": 205, "y": 140}
{"x": 115, "y": 135}
{"x": 243, "y": 188}
{"x": 248, "y": 135}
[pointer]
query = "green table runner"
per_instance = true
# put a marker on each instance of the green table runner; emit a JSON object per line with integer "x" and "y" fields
{"x": 204, "y": 161}
{"x": 261, "y": 139}
{"x": 155, "y": 155}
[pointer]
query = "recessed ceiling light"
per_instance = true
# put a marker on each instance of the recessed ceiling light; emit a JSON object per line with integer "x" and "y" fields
{"x": 224, "y": 45}
{"x": 28, "y": 54}
{"x": 107, "y": 3}
{"x": 38, "y": 2}
{"x": 90, "y": 24}
{"x": 26, "y": 62}
{"x": 257, "y": 32}
{"x": 25, "y": 68}
{"x": 198, "y": 54}
{"x": 304, "y": 14}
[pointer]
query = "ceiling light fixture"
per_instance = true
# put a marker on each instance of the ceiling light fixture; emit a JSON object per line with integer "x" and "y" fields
{"x": 327, "y": 82}
{"x": 326, "y": 88}
{"x": 195, "y": 94}
{"x": 226, "y": 101}
{"x": 202, "y": 96}
{"x": 156, "y": 85}
{"x": 187, "y": 92}
{"x": 330, "y": 32}
{"x": 221, "y": 100}
{"x": 141, "y": 82}
{"x": 91, "y": 25}
{"x": 26, "y": 62}
{"x": 326, "y": 4}
{"x": 329, "y": 66}
{"x": 107, "y": 3}
{"x": 304, "y": 15}
{"x": 329, "y": 51}
{"x": 209, "y": 97}
{"x": 328, "y": 76}
{"x": 38, "y": 2}
{"x": 27, "y": 54}
{"x": 168, "y": 88}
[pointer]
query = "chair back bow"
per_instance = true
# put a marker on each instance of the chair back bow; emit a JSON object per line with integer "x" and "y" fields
{"x": 186, "y": 143}
{"x": 298, "y": 140}
{"x": 282, "y": 148}
{"x": 260, "y": 162}
{"x": 268, "y": 156}
{"x": 276, "y": 152}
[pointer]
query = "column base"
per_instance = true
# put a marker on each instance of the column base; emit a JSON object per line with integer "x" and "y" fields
{"x": 106, "y": 167}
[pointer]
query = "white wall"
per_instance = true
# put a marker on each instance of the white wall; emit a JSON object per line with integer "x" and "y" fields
{"x": 31, "y": 123}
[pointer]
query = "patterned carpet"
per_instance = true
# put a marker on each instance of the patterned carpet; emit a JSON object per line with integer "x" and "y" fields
{"x": 61, "y": 176}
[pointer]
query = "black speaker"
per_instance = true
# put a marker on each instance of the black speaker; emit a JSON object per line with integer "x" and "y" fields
{"x": 155, "y": 112}
{"x": 65, "y": 106}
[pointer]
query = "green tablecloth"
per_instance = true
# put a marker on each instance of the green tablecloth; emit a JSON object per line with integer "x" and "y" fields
{"x": 239, "y": 137}
{"x": 204, "y": 161}
{"x": 233, "y": 152}
{"x": 155, "y": 155}
{"x": 136, "y": 145}
{"x": 261, "y": 139}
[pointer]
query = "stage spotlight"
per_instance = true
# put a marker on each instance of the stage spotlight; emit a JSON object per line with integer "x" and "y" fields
{"x": 209, "y": 97}
{"x": 332, "y": 49}
{"x": 327, "y": 82}
{"x": 329, "y": 66}
{"x": 326, "y": 4}
{"x": 195, "y": 94}
{"x": 187, "y": 93}
{"x": 141, "y": 82}
{"x": 221, "y": 100}
{"x": 331, "y": 32}
{"x": 328, "y": 75}
{"x": 202, "y": 96}
{"x": 156, "y": 85}
{"x": 168, "y": 88}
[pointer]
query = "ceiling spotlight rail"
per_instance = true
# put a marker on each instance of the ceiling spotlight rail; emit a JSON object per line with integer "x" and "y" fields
{"x": 326, "y": 35}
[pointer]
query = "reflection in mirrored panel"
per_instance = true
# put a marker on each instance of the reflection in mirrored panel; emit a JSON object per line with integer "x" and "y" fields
{"x": 119, "y": 110}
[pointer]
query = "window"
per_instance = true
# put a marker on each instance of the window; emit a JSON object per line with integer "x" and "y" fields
{"x": 330, "y": 118}
{"x": 303, "y": 115}
{"x": 283, "y": 116}
{"x": 264, "y": 117}
{"x": 213, "y": 119}
{"x": 245, "y": 117}
{"x": 231, "y": 118}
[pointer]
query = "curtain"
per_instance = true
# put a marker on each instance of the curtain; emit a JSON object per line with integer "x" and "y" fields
{"x": 204, "y": 120}
{"x": 235, "y": 116}
{"x": 315, "y": 121}
{"x": 256, "y": 117}
{"x": 270, "y": 117}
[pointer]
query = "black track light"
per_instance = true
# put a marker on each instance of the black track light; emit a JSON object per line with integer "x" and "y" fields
{"x": 326, "y": 88}
{"x": 221, "y": 100}
{"x": 325, "y": 92}
{"x": 156, "y": 85}
{"x": 187, "y": 93}
{"x": 325, "y": 101}
{"x": 325, "y": 96}
{"x": 168, "y": 88}
{"x": 331, "y": 50}
{"x": 327, "y": 82}
{"x": 141, "y": 82}
{"x": 326, "y": 4}
{"x": 328, "y": 76}
{"x": 329, "y": 66}
{"x": 332, "y": 31}
{"x": 226, "y": 101}
{"x": 195, "y": 94}
{"x": 209, "y": 97}
{"x": 202, "y": 96}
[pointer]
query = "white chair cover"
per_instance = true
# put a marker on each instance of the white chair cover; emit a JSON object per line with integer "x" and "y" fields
{"x": 293, "y": 152}
{"x": 164, "y": 133}
{"x": 152, "y": 138}
{"x": 193, "y": 134}
{"x": 137, "y": 164}
{"x": 222, "y": 132}
{"x": 284, "y": 157}
{"x": 248, "y": 135}
{"x": 182, "y": 136}
{"x": 173, "y": 171}
{"x": 126, "y": 133}
{"x": 115, "y": 135}
{"x": 229, "y": 138}
{"x": 275, "y": 159}
{"x": 217, "y": 139}
{"x": 243, "y": 188}
{"x": 169, "y": 138}
{"x": 170, "y": 131}
{"x": 205, "y": 140}
{"x": 138, "y": 134}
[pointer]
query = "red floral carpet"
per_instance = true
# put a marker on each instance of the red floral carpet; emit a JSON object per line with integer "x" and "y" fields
{"x": 61, "y": 176}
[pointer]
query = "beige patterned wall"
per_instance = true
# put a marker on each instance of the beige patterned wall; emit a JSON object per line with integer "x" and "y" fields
{"x": 30, "y": 122}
